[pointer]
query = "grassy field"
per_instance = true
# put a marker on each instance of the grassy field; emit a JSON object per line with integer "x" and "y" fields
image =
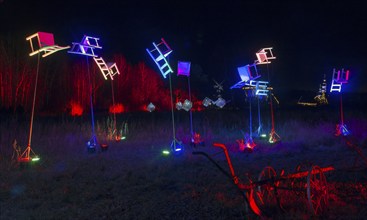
{"x": 134, "y": 180}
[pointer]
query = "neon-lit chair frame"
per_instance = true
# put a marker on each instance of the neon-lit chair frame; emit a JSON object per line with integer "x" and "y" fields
{"x": 264, "y": 56}
{"x": 107, "y": 69}
{"x": 247, "y": 73}
{"x": 46, "y": 45}
{"x": 86, "y": 46}
{"x": 159, "y": 54}
{"x": 338, "y": 79}
{"x": 43, "y": 42}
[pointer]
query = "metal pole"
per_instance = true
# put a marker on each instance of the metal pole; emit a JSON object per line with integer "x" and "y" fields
{"x": 91, "y": 103}
{"x": 259, "y": 116}
{"x": 250, "y": 116}
{"x": 33, "y": 106}
{"x": 113, "y": 106}
{"x": 191, "y": 126}
{"x": 173, "y": 116}
{"x": 341, "y": 110}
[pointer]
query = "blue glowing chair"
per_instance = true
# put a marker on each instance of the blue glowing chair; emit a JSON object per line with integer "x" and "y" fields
{"x": 159, "y": 54}
{"x": 86, "y": 46}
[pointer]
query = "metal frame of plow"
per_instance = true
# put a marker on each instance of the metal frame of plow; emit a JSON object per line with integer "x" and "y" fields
{"x": 263, "y": 195}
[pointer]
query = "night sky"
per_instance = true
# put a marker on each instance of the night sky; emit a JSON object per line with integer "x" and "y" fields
{"x": 309, "y": 38}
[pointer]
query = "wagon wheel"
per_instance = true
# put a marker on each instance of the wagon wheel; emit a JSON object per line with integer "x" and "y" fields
{"x": 317, "y": 191}
{"x": 265, "y": 193}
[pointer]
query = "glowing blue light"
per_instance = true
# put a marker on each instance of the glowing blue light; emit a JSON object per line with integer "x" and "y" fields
{"x": 177, "y": 146}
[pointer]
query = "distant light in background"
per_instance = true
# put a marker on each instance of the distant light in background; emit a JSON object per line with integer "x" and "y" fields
{"x": 117, "y": 108}
{"x": 76, "y": 109}
{"x": 150, "y": 107}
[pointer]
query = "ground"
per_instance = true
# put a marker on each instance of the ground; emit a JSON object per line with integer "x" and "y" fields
{"x": 134, "y": 180}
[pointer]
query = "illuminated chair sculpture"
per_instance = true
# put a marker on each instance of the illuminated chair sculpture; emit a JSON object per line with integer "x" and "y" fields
{"x": 183, "y": 69}
{"x": 86, "y": 48}
{"x": 159, "y": 54}
{"x": 338, "y": 79}
{"x": 247, "y": 73}
{"x": 264, "y": 56}
{"x": 107, "y": 69}
{"x": 40, "y": 43}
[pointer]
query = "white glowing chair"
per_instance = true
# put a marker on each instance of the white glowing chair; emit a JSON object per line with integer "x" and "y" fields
{"x": 247, "y": 73}
{"x": 339, "y": 77}
{"x": 107, "y": 69}
{"x": 261, "y": 88}
{"x": 42, "y": 42}
{"x": 159, "y": 54}
{"x": 86, "y": 46}
{"x": 264, "y": 56}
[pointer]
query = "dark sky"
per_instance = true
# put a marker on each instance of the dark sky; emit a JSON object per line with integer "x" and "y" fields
{"x": 309, "y": 38}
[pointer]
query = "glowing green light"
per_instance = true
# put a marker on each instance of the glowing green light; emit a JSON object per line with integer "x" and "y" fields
{"x": 166, "y": 152}
{"x": 123, "y": 138}
{"x": 263, "y": 135}
{"x": 36, "y": 159}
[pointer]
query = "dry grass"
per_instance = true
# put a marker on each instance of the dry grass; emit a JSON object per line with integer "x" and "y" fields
{"x": 133, "y": 180}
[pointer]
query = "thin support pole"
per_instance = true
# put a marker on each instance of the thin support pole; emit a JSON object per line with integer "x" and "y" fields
{"x": 259, "y": 116}
{"x": 173, "y": 116}
{"x": 341, "y": 110}
{"x": 91, "y": 104}
{"x": 191, "y": 126}
{"x": 272, "y": 114}
{"x": 113, "y": 106}
{"x": 28, "y": 150}
{"x": 250, "y": 116}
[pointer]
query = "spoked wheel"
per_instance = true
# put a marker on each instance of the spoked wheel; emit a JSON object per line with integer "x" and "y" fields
{"x": 265, "y": 194}
{"x": 317, "y": 191}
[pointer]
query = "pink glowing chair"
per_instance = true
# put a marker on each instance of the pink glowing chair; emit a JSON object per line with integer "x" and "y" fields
{"x": 159, "y": 54}
{"x": 264, "y": 56}
{"x": 339, "y": 77}
{"x": 42, "y": 42}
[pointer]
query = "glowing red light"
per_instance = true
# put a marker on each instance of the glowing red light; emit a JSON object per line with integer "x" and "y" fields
{"x": 117, "y": 108}
{"x": 76, "y": 109}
